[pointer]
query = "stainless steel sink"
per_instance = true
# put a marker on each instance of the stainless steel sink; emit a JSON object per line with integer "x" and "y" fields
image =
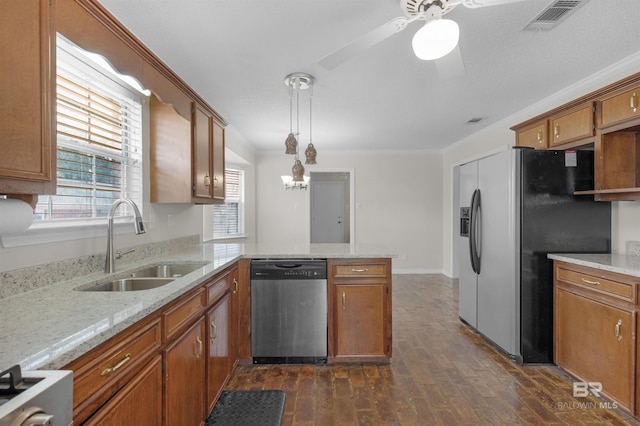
{"x": 129, "y": 284}
{"x": 167, "y": 270}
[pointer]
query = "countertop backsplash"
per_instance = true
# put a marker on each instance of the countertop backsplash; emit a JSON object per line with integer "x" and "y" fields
{"x": 33, "y": 277}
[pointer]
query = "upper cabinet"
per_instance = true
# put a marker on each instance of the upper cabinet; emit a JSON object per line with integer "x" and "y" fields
{"x": 534, "y": 135}
{"x": 27, "y": 97}
{"x": 187, "y": 156}
{"x": 606, "y": 121}
{"x": 573, "y": 126}
{"x": 620, "y": 108}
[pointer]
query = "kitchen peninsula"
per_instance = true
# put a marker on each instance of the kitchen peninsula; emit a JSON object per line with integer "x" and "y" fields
{"x": 120, "y": 343}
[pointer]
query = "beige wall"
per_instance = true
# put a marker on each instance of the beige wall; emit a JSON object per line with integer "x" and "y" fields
{"x": 397, "y": 203}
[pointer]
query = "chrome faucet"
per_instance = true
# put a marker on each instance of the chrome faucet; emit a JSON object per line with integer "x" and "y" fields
{"x": 110, "y": 261}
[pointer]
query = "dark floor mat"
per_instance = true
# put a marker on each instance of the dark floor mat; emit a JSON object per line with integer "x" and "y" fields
{"x": 248, "y": 408}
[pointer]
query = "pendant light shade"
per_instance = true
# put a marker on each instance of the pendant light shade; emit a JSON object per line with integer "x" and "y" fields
{"x": 291, "y": 144}
{"x": 297, "y": 171}
{"x": 436, "y": 39}
{"x": 311, "y": 154}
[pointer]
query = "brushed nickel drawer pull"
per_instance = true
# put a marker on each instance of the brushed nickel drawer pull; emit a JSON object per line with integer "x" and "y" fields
{"x": 214, "y": 330}
{"x": 359, "y": 270}
{"x": 198, "y": 347}
{"x": 632, "y": 102}
{"x": 540, "y": 136}
{"x": 207, "y": 180}
{"x": 344, "y": 300}
{"x": 591, "y": 282}
{"x": 235, "y": 281}
{"x": 618, "y": 324}
{"x": 110, "y": 370}
{"x": 556, "y": 130}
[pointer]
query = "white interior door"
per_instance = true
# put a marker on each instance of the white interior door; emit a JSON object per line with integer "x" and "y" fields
{"x": 327, "y": 212}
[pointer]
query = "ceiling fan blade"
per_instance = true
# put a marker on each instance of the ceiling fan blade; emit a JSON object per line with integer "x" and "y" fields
{"x": 451, "y": 65}
{"x": 363, "y": 42}
{"x": 473, "y": 4}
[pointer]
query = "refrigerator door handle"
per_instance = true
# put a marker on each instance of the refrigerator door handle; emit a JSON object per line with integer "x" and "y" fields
{"x": 475, "y": 232}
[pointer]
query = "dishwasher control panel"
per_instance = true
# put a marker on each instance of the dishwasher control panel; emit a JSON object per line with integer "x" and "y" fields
{"x": 288, "y": 269}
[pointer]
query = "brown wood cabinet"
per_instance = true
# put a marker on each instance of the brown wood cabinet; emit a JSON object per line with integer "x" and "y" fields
{"x": 359, "y": 310}
{"x": 138, "y": 403}
{"x": 170, "y": 154}
{"x": 217, "y": 133}
{"x": 171, "y": 366}
{"x": 184, "y": 378}
{"x": 27, "y": 96}
{"x": 575, "y": 126}
{"x": 621, "y": 108}
{"x": 595, "y": 329}
{"x": 533, "y": 136}
{"x": 208, "y": 157}
{"x": 101, "y": 373}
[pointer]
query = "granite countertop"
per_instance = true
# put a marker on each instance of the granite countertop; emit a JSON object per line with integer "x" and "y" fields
{"x": 621, "y": 263}
{"x": 48, "y": 327}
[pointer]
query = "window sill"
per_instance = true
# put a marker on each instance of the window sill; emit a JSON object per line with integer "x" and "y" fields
{"x": 221, "y": 239}
{"x": 42, "y": 233}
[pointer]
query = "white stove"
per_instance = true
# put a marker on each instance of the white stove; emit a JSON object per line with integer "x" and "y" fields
{"x": 33, "y": 398}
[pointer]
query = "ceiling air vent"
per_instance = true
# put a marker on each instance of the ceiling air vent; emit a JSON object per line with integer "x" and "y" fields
{"x": 553, "y": 14}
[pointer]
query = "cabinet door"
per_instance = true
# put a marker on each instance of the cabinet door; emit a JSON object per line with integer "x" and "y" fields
{"x": 359, "y": 311}
{"x": 217, "y": 350}
{"x": 184, "y": 378}
{"x": 27, "y": 96}
{"x": 202, "y": 168}
{"x": 534, "y": 137}
{"x": 621, "y": 108}
{"x": 138, "y": 403}
{"x": 594, "y": 341}
{"x": 218, "y": 161}
{"x": 170, "y": 154}
{"x": 572, "y": 127}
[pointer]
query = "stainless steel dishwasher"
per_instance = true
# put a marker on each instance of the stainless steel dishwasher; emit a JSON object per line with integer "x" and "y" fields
{"x": 289, "y": 311}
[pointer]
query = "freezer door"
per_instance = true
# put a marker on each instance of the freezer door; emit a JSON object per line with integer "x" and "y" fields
{"x": 497, "y": 282}
{"x": 467, "y": 282}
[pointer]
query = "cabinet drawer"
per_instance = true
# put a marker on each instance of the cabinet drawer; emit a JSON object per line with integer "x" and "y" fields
{"x": 572, "y": 127}
{"x": 217, "y": 289}
{"x": 183, "y": 313}
{"x": 608, "y": 285}
{"x": 360, "y": 270}
{"x": 620, "y": 108}
{"x": 112, "y": 362}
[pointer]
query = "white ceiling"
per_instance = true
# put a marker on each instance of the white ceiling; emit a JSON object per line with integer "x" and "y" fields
{"x": 236, "y": 53}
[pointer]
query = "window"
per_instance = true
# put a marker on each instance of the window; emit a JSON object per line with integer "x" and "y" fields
{"x": 99, "y": 137}
{"x": 228, "y": 218}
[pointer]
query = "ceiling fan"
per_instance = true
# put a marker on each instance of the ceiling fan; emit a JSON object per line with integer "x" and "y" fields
{"x": 437, "y": 39}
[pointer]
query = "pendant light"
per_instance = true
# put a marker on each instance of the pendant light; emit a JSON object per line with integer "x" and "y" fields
{"x": 298, "y": 82}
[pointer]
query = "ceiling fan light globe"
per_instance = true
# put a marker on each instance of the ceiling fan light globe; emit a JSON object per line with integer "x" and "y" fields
{"x": 436, "y": 39}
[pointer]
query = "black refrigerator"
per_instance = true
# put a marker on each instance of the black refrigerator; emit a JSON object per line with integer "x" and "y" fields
{"x": 516, "y": 207}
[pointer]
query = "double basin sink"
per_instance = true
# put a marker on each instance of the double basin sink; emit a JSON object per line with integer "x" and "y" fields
{"x": 146, "y": 279}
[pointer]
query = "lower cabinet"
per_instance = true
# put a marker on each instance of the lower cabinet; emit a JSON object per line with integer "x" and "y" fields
{"x": 359, "y": 320}
{"x": 138, "y": 403}
{"x": 359, "y": 310}
{"x": 219, "y": 364}
{"x": 595, "y": 330}
{"x": 184, "y": 378}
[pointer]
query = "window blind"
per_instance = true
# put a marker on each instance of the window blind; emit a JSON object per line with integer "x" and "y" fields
{"x": 99, "y": 155}
{"x": 227, "y": 217}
